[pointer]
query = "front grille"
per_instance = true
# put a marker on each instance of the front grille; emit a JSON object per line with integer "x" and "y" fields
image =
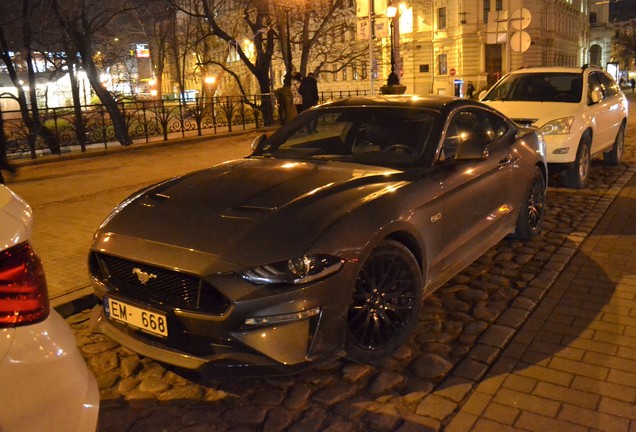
{"x": 163, "y": 287}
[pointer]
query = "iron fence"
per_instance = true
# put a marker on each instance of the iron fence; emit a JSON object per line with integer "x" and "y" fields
{"x": 145, "y": 120}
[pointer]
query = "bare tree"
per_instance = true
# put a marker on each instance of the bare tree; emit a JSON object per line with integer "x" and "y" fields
{"x": 157, "y": 20}
{"x": 18, "y": 24}
{"x": 624, "y": 42}
{"x": 325, "y": 35}
{"x": 255, "y": 18}
{"x": 87, "y": 22}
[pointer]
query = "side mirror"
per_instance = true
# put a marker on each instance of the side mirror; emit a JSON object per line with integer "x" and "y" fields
{"x": 471, "y": 150}
{"x": 260, "y": 139}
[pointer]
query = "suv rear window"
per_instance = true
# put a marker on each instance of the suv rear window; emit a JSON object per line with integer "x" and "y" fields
{"x": 541, "y": 87}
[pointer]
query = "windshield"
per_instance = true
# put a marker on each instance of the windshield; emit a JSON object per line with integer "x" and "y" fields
{"x": 542, "y": 87}
{"x": 371, "y": 135}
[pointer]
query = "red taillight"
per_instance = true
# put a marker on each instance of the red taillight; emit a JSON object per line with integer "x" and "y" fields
{"x": 24, "y": 298}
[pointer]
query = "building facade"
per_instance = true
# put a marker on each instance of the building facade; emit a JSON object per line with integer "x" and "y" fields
{"x": 443, "y": 44}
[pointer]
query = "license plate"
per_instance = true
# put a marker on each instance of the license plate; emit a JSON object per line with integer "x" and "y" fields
{"x": 151, "y": 322}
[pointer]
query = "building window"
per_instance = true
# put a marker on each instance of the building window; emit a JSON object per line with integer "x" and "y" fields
{"x": 498, "y": 5}
{"x": 364, "y": 70}
{"x": 593, "y": 18}
{"x": 441, "y": 18}
{"x": 442, "y": 64}
{"x": 344, "y": 73}
{"x": 335, "y": 73}
{"x": 486, "y": 10}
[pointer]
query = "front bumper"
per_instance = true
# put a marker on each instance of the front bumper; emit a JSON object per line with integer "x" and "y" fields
{"x": 224, "y": 345}
{"x": 561, "y": 149}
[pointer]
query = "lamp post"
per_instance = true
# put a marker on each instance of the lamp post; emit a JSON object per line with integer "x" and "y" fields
{"x": 209, "y": 80}
{"x": 391, "y": 13}
{"x": 393, "y": 85}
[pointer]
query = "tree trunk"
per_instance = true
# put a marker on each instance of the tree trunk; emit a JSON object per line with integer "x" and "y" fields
{"x": 80, "y": 125}
{"x": 116, "y": 117}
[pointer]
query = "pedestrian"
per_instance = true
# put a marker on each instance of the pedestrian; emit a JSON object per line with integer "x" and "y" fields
{"x": 309, "y": 92}
{"x": 295, "y": 88}
{"x": 633, "y": 83}
{"x": 470, "y": 89}
{"x": 4, "y": 162}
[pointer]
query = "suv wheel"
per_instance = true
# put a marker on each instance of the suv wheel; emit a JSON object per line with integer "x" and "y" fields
{"x": 613, "y": 156}
{"x": 576, "y": 175}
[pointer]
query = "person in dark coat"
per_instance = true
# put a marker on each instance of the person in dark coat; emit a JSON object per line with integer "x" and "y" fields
{"x": 470, "y": 90}
{"x": 309, "y": 92}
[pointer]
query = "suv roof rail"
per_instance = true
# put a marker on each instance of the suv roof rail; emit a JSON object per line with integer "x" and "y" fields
{"x": 589, "y": 66}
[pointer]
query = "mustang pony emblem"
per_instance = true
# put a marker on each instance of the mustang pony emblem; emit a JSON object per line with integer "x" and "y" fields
{"x": 143, "y": 277}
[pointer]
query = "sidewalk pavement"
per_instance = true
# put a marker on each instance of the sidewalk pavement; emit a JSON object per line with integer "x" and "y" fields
{"x": 572, "y": 365}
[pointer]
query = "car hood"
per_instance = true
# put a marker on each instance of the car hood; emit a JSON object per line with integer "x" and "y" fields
{"x": 249, "y": 210}
{"x": 15, "y": 219}
{"x": 539, "y": 113}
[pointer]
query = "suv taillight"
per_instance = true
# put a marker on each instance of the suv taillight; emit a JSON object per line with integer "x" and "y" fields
{"x": 24, "y": 298}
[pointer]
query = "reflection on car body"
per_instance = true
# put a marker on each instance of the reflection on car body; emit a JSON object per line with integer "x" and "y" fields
{"x": 317, "y": 245}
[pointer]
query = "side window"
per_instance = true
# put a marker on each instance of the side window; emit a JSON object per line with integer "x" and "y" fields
{"x": 593, "y": 84}
{"x": 609, "y": 86}
{"x": 496, "y": 126}
{"x": 472, "y": 125}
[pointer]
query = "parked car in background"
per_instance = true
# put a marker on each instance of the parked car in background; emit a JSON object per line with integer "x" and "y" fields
{"x": 323, "y": 242}
{"x": 45, "y": 383}
{"x": 581, "y": 112}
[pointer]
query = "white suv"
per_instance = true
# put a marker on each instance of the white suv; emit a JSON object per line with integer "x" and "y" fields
{"x": 581, "y": 112}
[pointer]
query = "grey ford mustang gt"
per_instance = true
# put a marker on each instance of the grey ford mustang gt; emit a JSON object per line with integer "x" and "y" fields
{"x": 322, "y": 243}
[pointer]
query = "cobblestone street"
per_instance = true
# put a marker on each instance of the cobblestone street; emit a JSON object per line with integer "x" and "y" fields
{"x": 464, "y": 329}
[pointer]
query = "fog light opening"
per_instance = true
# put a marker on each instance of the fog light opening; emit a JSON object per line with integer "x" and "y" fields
{"x": 277, "y": 319}
{"x": 561, "y": 150}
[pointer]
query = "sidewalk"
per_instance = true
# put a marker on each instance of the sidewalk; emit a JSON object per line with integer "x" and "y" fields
{"x": 572, "y": 366}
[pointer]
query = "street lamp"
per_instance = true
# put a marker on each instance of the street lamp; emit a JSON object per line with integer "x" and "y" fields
{"x": 209, "y": 80}
{"x": 391, "y": 13}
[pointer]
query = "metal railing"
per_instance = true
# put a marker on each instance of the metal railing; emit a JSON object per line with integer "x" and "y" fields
{"x": 146, "y": 120}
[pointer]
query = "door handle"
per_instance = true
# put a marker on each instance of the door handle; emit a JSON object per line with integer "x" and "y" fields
{"x": 505, "y": 161}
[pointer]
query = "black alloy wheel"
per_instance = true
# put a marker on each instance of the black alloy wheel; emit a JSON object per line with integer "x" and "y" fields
{"x": 386, "y": 302}
{"x": 533, "y": 209}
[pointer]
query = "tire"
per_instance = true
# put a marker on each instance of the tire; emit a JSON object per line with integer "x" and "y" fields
{"x": 532, "y": 209}
{"x": 385, "y": 304}
{"x": 576, "y": 176}
{"x": 614, "y": 156}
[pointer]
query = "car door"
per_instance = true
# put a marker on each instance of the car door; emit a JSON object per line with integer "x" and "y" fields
{"x": 476, "y": 192}
{"x": 603, "y": 113}
{"x": 612, "y": 117}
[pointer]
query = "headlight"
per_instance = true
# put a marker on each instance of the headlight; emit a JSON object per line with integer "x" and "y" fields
{"x": 558, "y": 127}
{"x": 295, "y": 271}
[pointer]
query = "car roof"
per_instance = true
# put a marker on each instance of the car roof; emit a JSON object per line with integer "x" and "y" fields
{"x": 437, "y": 103}
{"x": 544, "y": 69}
